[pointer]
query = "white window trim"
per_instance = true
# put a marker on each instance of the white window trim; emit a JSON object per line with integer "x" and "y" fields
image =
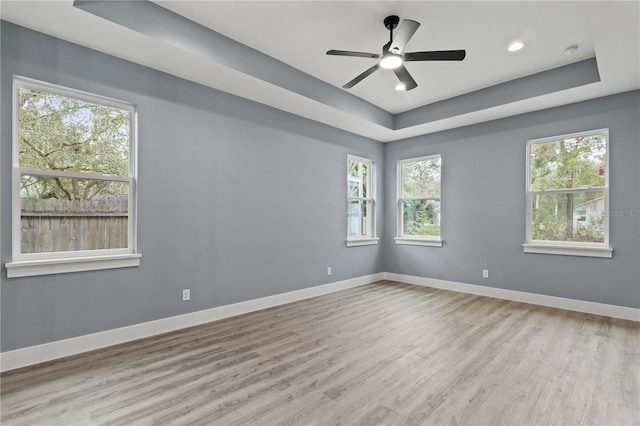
{"x": 568, "y": 248}
{"x": 28, "y": 268}
{"x": 365, "y": 240}
{"x": 362, "y": 241}
{"x": 31, "y": 264}
{"x": 415, "y": 240}
{"x": 418, "y": 241}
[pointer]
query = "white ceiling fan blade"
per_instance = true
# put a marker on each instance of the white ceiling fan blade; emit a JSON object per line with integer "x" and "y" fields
{"x": 403, "y": 35}
{"x": 361, "y": 77}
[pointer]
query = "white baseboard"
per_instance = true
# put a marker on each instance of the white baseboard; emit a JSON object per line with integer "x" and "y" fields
{"x": 49, "y": 351}
{"x": 76, "y": 345}
{"x": 603, "y": 309}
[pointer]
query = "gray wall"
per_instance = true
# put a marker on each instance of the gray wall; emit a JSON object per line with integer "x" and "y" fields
{"x": 268, "y": 215}
{"x": 266, "y": 190}
{"x": 483, "y": 206}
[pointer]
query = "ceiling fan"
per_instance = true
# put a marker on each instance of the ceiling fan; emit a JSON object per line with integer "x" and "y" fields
{"x": 393, "y": 55}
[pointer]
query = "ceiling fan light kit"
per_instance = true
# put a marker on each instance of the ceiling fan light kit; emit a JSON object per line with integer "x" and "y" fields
{"x": 390, "y": 61}
{"x": 393, "y": 56}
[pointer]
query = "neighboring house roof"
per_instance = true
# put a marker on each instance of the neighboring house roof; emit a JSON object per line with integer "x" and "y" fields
{"x": 595, "y": 200}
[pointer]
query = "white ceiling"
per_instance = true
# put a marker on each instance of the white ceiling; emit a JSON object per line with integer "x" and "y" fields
{"x": 299, "y": 33}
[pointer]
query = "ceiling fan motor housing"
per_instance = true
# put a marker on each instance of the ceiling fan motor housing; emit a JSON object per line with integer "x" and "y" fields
{"x": 391, "y": 22}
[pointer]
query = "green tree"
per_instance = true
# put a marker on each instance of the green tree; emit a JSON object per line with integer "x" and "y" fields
{"x": 59, "y": 133}
{"x": 421, "y": 178}
{"x": 571, "y": 163}
{"x": 421, "y": 184}
{"x": 420, "y": 218}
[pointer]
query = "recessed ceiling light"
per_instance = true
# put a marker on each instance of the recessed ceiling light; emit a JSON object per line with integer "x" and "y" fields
{"x": 400, "y": 87}
{"x": 515, "y": 46}
{"x": 571, "y": 50}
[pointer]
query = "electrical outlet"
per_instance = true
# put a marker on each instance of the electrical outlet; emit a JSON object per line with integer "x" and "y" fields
{"x": 186, "y": 294}
{"x": 485, "y": 273}
{"x": 328, "y": 270}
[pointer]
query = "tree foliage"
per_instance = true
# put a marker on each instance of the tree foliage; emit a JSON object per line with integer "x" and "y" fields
{"x": 421, "y": 182}
{"x": 421, "y": 178}
{"x": 420, "y": 217}
{"x": 59, "y": 133}
{"x": 571, "y": 164}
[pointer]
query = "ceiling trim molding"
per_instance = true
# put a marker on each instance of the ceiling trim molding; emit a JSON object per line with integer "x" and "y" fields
{"x": 168, "y": 27}
{"x": 153, "y": 20}
{"x": 543, "y": 83}
{"x": 159, "y": 36}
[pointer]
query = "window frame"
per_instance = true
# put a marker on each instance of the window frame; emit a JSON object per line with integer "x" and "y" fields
{"x": 416, "y": 240}
{"x": 371, "y": 239}
{"x": 568, "y": 248}
{"x": 30, "y": 264}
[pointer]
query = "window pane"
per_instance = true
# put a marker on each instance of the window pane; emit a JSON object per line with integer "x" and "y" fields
{"x": 357, "y": 178}
{"x": 421, "y": 217}
{"x": 421, "y": 178}
{"x": 569, "y": 163}
{"x": 60, "y": 214}
{"x": 358, "y": 222}
{"x": 56, "y": 132}
{"x": 575, "y": 217}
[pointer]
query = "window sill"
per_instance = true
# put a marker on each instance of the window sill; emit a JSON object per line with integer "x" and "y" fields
{"x": 28, "y": 268}
{"x": 357, "y": 242}
{"x": 569, "y": 250}
{"x": 417, "y": 241}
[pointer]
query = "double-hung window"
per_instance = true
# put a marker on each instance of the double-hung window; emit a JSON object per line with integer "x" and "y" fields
{"x": 360, "y": 202}
{"x": 419, "y": 214}
{"x": 568, "y": 195}
{"x": 73, "y": 195}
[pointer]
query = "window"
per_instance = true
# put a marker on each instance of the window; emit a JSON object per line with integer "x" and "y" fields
{"x": 419, "y": 181}
{"x": 360, "y": 202}
{"x": 73, "y": 181}
{"x": 568, "y": 195}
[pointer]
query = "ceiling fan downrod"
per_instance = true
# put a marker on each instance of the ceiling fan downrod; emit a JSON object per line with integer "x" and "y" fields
{"x": 390, "y": 23}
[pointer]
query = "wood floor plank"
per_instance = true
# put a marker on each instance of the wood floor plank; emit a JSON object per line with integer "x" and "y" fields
{"x": 385, "y": 353}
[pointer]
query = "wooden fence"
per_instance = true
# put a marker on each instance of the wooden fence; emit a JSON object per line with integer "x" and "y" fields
{"x": 59, "y": 225}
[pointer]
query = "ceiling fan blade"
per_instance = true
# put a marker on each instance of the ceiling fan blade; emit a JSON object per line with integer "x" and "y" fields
{"x": 361, "y": 77}
{"x": 403, "y": 35}
{"x": 405, "y": 78}
{"x": 355, "y": 54}
{"x": 436, "y": 55}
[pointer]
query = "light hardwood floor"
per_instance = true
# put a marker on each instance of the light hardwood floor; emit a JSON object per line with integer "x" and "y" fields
{"x": 386, "y": 353}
